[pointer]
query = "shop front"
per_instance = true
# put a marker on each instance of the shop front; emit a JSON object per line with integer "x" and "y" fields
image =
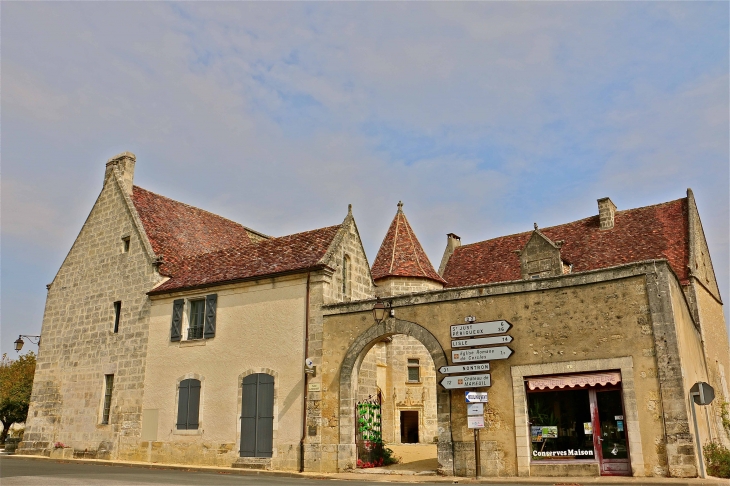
{"x": 578, "y": 419}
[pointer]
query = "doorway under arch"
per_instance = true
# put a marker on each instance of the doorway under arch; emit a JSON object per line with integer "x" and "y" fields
{"x": 348, "y": 389}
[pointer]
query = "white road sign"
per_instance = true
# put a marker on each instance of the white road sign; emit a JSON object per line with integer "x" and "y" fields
{"x": 476, "y": 397}
{"x": 475, "y": 422}
{"x": 464, "y": 368}
{"x": 466, "y": 381}
{"x": 481, "y": 354}
{"x": 480, "y": 329}
{"x": 464, "y": 343}
{"x": 475, "y": 409}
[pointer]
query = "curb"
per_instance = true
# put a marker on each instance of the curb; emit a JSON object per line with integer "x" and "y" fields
{"x": 393, "y": 478}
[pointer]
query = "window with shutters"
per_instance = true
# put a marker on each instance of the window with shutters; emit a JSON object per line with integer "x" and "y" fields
{"x": 107, "y": 405}
{"x": 200, "y": 318}
{"x": 188, "y": 404}
{"x": 414, "y": 371}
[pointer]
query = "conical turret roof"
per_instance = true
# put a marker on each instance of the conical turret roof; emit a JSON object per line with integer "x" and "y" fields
{"x": 401, "y": 255}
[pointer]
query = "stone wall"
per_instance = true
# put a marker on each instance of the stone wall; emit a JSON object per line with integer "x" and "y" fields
{"x": 392, "y": 286}
{"x": 79, "y": 346}
{"x": 623, "y": 312}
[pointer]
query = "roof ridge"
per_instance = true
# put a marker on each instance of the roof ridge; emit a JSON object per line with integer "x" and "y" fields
{"x": 395, "y": 240}
{"x": 573, "y": 222}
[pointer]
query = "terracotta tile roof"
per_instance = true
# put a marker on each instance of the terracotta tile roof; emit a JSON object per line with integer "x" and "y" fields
{"x": 652, "y": 232}
{"x": 276, "y": 255}
{"x": 401, "y": 254}
{"x": 178, "y": 232}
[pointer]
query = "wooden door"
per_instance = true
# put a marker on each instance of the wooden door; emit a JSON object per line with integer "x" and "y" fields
{"x": 257, "y": 416}
{"x": 609, "y": 432}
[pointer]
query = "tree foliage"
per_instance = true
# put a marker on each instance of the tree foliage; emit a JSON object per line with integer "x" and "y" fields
{"x": 16, "y": 383}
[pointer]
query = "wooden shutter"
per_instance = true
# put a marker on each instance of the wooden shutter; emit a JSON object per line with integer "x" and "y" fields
{"x": 248, "y": 416}
{"x": 188, "y": 405}
{"x": 182, "y": 405}
{"x": 257, "y": 416}
{"x": 265, "y": 423}
{"x": 210, "y": 310}
{"x": 177, "y": 312}
{"x": 193, "y": 404}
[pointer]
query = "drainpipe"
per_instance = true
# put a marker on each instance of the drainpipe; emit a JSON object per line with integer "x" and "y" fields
{"x": 304, "y": 402}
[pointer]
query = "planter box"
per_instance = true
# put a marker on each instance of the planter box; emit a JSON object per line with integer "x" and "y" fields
{"x": 11, "y": 444}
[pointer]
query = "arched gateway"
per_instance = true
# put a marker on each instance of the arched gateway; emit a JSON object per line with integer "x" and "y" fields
{"x": 348, "y": 392}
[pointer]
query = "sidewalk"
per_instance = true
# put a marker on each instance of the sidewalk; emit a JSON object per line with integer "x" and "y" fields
{"x": 375, "y": 476}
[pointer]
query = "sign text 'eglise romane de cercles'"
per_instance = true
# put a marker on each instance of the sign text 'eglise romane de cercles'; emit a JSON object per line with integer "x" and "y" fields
{"x": 481, "y": 354}
{"x": 480, "y": 329}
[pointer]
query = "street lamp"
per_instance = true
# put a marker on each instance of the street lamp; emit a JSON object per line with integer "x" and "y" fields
{"x": 19, "y": 342}
{"x": 379, "y": 310}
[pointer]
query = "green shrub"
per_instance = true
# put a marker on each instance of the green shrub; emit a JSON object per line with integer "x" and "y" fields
{"x": 717, "y": 458}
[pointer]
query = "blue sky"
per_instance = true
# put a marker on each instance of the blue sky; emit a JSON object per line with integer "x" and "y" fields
{"x": 482, "y": 117}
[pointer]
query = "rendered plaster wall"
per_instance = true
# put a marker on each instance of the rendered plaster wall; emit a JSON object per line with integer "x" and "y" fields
{"x": 575, "y": 317}
{"x": 79, "y": 346}
{"x": 259, "y": 329}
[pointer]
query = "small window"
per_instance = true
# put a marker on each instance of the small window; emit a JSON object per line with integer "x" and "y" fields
{"x": 125, "y": 244}
{"x": 188, "y": 405}
{"x": 117, "y": 314}
{"x": 414, "y": 371}
{"x": 108, "y": 387}
{"x": 346, "y": 276}
{"x": 197, "y": 319}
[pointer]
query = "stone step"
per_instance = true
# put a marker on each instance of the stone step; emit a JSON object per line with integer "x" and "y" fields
{"x": 260, "y": 463}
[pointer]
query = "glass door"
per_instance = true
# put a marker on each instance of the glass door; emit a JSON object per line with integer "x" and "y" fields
{"x": 609, "y": 438}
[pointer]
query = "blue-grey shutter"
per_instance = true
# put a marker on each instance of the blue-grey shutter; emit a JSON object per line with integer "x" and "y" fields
{"x": 210, "y": 310}
{"x": 182, "y": 405}
{"x": 193, "y": 404}
{"x": 265, "y": 423}
{"x": 248, "y": 416}
{"x": 177, "y": 312}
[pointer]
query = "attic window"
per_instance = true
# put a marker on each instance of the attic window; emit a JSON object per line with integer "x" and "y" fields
{"x": 125, "y": 244}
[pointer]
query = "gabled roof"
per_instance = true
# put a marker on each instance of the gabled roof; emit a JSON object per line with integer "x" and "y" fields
{"x": 401, "y": 255}
{"x": 178, "y": 231}
{"x": 291, "y": 253}
{"x": 648, "y": 233}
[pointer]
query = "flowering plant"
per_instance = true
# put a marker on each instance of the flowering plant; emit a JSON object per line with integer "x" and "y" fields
{"x": 59, "y": 445}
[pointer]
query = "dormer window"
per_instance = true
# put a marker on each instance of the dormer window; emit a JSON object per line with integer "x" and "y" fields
{"x": 540, "y": 258}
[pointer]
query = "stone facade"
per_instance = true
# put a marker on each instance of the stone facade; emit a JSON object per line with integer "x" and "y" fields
{"x": 79, "y": 345}
{"x": 384, "y": 371}
{"x": 569, "y": 323}
{"x": 392, "y": 286}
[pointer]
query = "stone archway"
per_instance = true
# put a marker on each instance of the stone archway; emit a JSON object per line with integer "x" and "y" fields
{"x": 348, "y": 383}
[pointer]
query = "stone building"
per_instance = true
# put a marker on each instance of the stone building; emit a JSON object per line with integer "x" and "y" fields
{"x": 614, "y": 318}
{"x": 171, "y": 334}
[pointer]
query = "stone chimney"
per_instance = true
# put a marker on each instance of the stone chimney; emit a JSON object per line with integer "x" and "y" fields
{"x": 124, "y": 163}
{"x": 606, "y": 212}
{"x": 452, "y": 243}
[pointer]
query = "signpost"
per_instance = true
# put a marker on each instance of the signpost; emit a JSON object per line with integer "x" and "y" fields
{"x": 467, "y": 381}
{"x": 480, "y": 329}
{"x": 701, "y": 393}
{"x": 464, "y": 343}
{"x": 476, "y": 397}
{"x": 481, "y": 354}
{"x": 464, "y": 368}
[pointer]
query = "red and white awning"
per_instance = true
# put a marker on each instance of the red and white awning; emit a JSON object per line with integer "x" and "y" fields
{"x": 571, "y": 381}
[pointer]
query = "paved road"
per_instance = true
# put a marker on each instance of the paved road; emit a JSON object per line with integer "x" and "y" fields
{"x": 16, "y": 471}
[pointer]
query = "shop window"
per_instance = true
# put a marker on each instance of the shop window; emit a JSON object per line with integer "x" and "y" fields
{"x": 561, "y": 425}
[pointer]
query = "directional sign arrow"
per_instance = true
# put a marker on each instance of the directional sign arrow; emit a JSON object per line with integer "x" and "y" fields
{"x": 466, "y": 381}
{"x": 480, "y": 329}
{"x": 464, "y": 368}
{"x": 464, "y": 343}
{"x": 481, "y": 354}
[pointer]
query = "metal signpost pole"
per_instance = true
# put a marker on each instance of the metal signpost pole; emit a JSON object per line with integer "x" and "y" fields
{"x": 476, "y": 453}
{"x": 697, "y": 436}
